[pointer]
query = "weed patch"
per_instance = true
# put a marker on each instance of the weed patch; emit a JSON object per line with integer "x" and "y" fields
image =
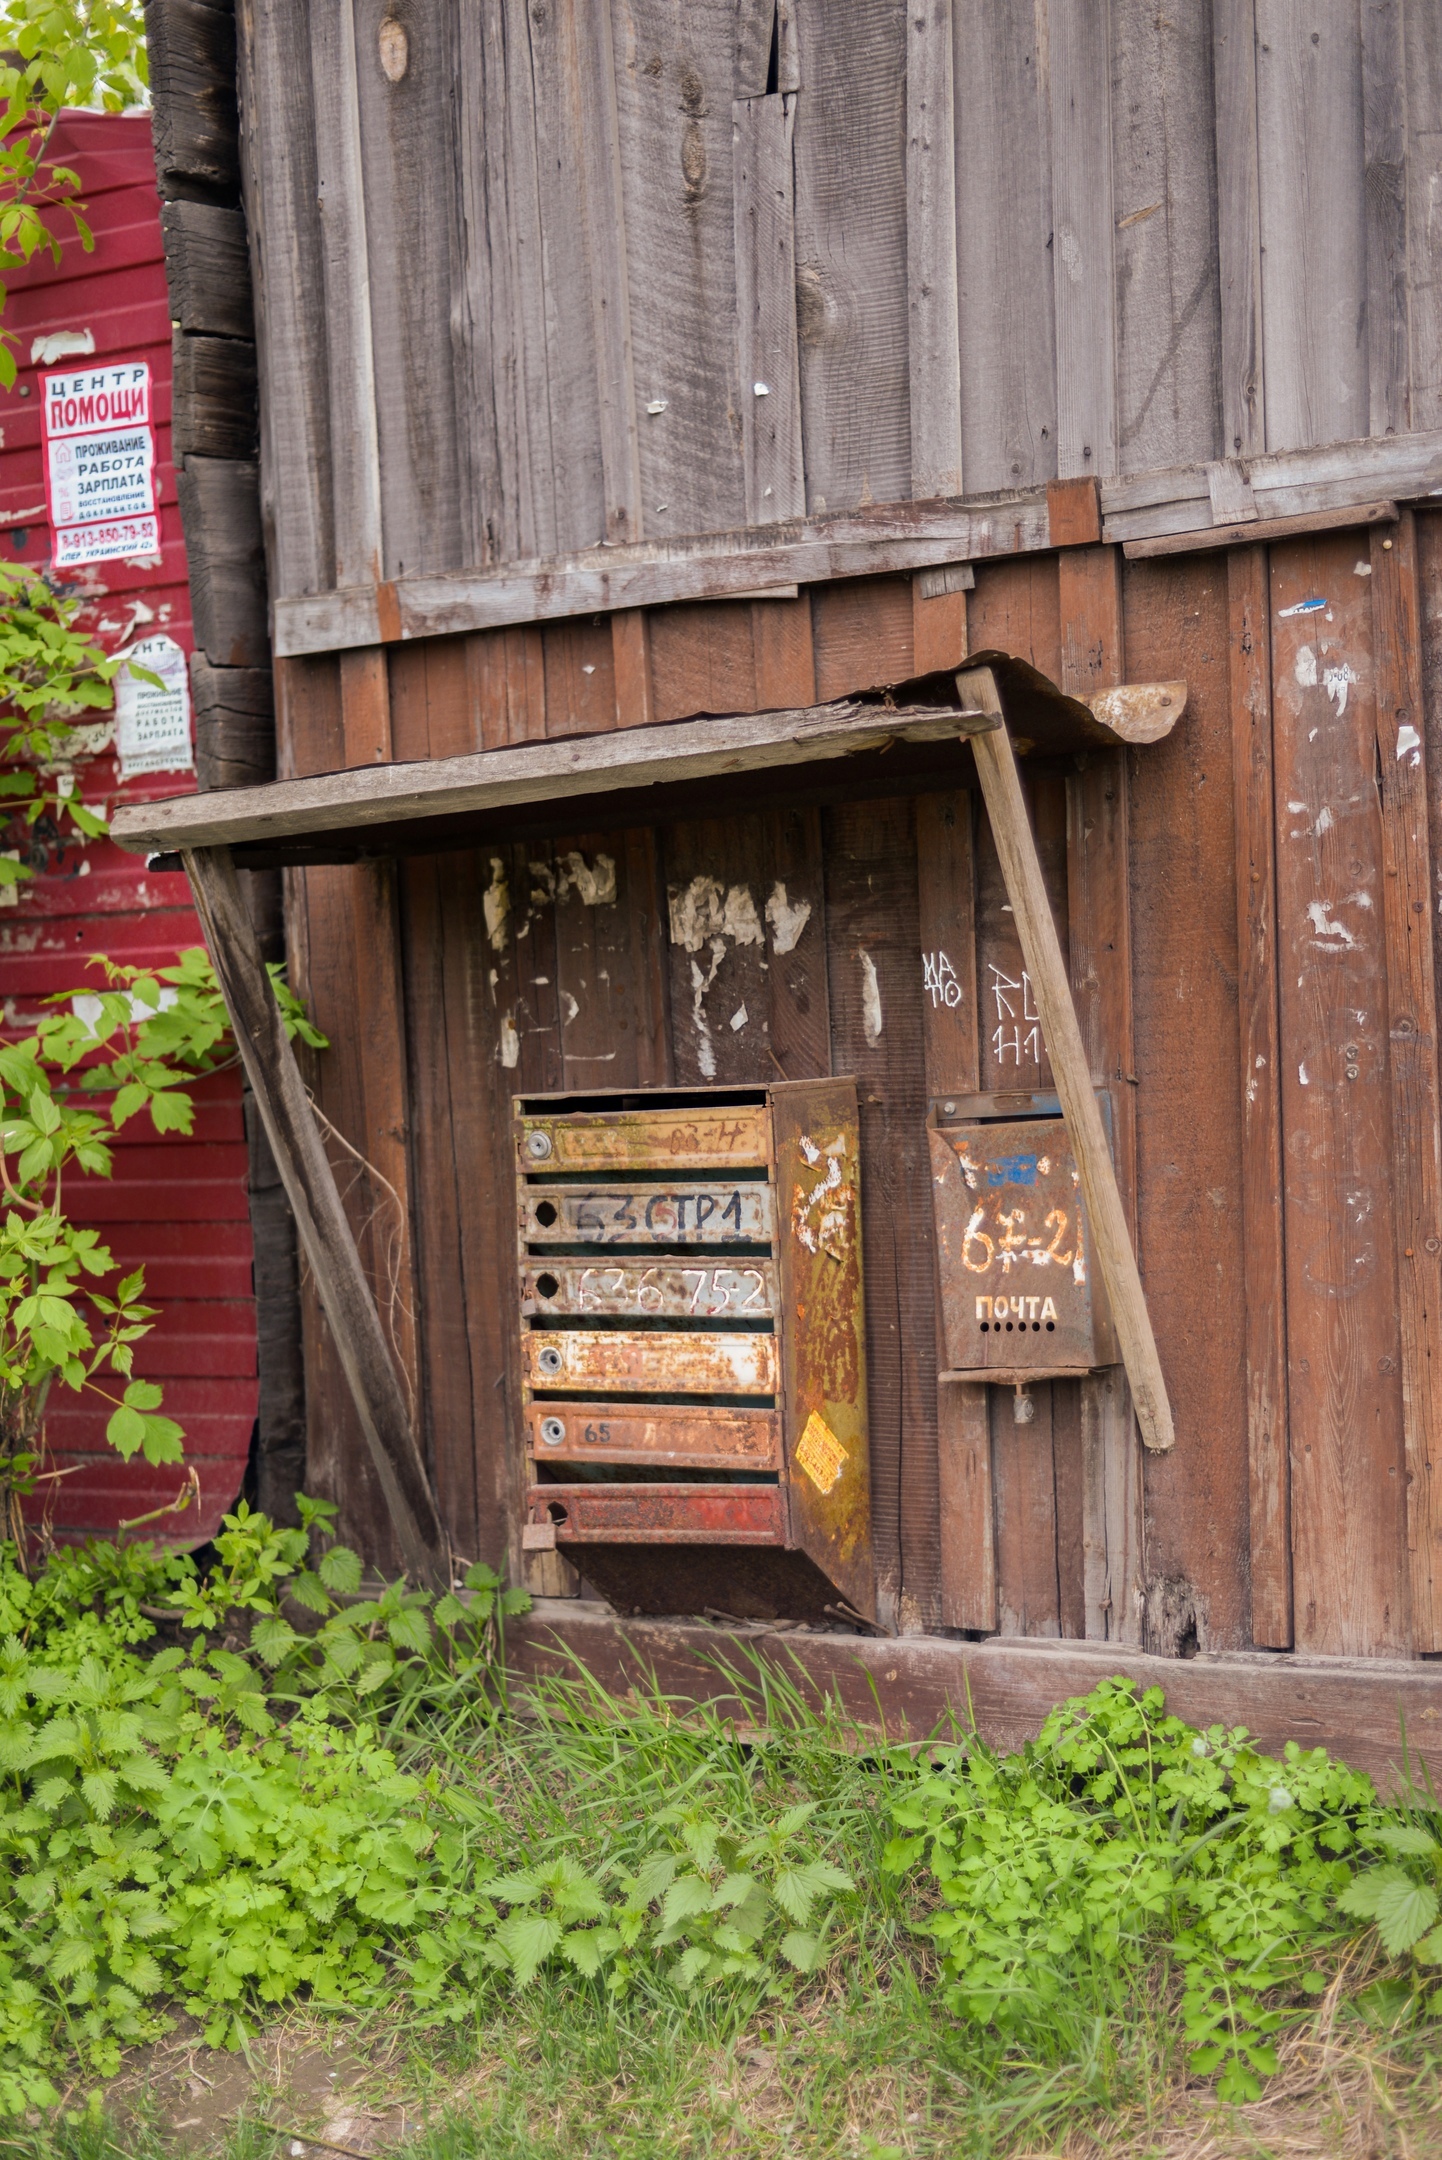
{"x": 296, "y": 1793}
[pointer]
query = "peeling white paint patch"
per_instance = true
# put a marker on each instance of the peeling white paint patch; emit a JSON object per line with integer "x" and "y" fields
{"x": 739, "y": 1019}
{"x": 1337, "y": 681}
{"x": 510, "y": 1043}
{"x": 1296, "y": 807}
{"x": 1302, "y": 1076}
{"x": 572, "y": 1008}
{"x": 1361, "y": 569}
{"x": 1325, "y": 820}
{"x": 1303, "y": 607}
{"x": 1071, "y": 254}
{"x": 59, "y": 345}
{"x": 788, "y": 918}
{"x": 496, "y": 905}
{"x": 701, "y": 913}
{"x": 597, "y": 886}
{"x": 700, "y": 984}
{"x": 1359, "y": 899}
{"x": 1305, "y": 667}
{"x": 1409, "y": 739}
{"x": 1336, "y": 935}
{"x": 872, "y": 1019}
{"x": 543, "y": 883}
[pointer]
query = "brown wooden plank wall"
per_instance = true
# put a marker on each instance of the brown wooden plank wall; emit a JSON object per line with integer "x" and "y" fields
{"x": 572, "y": 295}
{"x": 1281, "y": 1074}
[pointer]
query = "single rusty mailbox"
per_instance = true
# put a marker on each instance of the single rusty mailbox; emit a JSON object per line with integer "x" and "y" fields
{"x": 692, "y": 1341}
{"x": 1020, "y": 1297}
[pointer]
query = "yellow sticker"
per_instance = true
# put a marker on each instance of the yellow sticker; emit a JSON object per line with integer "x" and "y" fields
{"x": 819, "y": 1453}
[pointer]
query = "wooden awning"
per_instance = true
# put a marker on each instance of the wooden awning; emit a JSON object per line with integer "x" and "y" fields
{"x": 394, "y": 808}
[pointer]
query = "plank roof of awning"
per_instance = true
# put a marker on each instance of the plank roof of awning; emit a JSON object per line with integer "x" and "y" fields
{"x": 379, "y": 809}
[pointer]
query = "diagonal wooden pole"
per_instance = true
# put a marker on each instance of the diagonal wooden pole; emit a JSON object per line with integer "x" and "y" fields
{"x": 319, "y": 1213}
{"x": 1041, "y": 949}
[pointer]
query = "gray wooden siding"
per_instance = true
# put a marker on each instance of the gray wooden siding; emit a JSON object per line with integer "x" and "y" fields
{"x": 628, "y": 270}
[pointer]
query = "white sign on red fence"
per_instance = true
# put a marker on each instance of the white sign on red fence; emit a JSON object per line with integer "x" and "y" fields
{"x": 100, "y": 464}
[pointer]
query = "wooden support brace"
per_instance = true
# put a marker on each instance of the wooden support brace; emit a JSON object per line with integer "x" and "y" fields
{"x": 1041, "y": 948}
{"x": 320, "y": 1216}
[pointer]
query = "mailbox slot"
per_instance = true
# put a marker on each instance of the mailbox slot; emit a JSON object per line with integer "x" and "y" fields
{"x": 1021, "y": 1297}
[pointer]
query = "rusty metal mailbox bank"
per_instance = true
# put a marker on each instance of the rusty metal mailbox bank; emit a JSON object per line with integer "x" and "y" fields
{"x": 691, "y": 1323}
{"x": 1020, "y": 1298}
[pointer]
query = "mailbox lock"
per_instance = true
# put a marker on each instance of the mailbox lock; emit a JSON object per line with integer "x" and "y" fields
{"x": 538, "y": 1145}
{"x": 553, "y": 1431}
{"x": 550, "y": 1359}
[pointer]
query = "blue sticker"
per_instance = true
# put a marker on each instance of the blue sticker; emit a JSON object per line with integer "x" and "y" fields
{"x": 1012, "y": 1170}
{"x": 1303, "y": 607}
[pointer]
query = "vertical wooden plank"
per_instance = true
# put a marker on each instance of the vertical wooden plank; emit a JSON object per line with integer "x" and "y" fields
{"x": 673, "y": 87}
{"x": 453, "y": 1430}
{"x": 1313, "y": 222}
{"x": 1082, "y": 219}
{"x": 1250, "y": 650}
{"x": 850, "y": 154}
{"x": 1384, "y": 153}
{"x": 1407, "y": 885}
{"x": 702, "y": 658}
{"x": 1422, "y": 48}
{"x": 1100, "y": 958}
{"x": 1015, "y": 609}
{"x": 411, "y": 202}
{"x": 716, "y": 891}
{"x": 604, "y": 210}
{"x": 1004, "y": 246}
{"x": 1168, "y": 303}
{"x": 754, "y": 47}
{"x": 506, "y": 672}
{"x": 933, "y": 341}
{"x": 794, "y": 909}
{"x": 938, "y": 630}
{"x": 946, "y": 884}
{"x": 340, "y": 190}
{"x": 533, "y": 480}
{"x": 769, "y": 366}
{"x": 783, "y": 654}
{"x": 631, "y": 664}
{"x": 1188, "y": 1107}
{"x": 278, "y": 163}
{"x": 1029, "y": 1601}
{"x": 580, "y": 675}
{"x": 861, "y": 634}
{"x": 365, "y": 706}
{"x": 1349, "y": 1527}
{"x": 1239, "y": 237}
{"x": 873, "y": 942}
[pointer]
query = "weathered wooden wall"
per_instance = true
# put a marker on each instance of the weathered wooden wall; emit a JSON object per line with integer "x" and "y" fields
{"x": 623, "y": 270}
{"x": 1248, "y": 908}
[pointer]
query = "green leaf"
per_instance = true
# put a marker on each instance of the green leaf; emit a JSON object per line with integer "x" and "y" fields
{"x": 528, "y": 1940}
{"x": 800, "y": 1950}
{"x": 1405, "y": 1838}
{"x": 340, "y": 1570}
{"x": 126, "y": 1431}
{"x": 1405, "y": 1911}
